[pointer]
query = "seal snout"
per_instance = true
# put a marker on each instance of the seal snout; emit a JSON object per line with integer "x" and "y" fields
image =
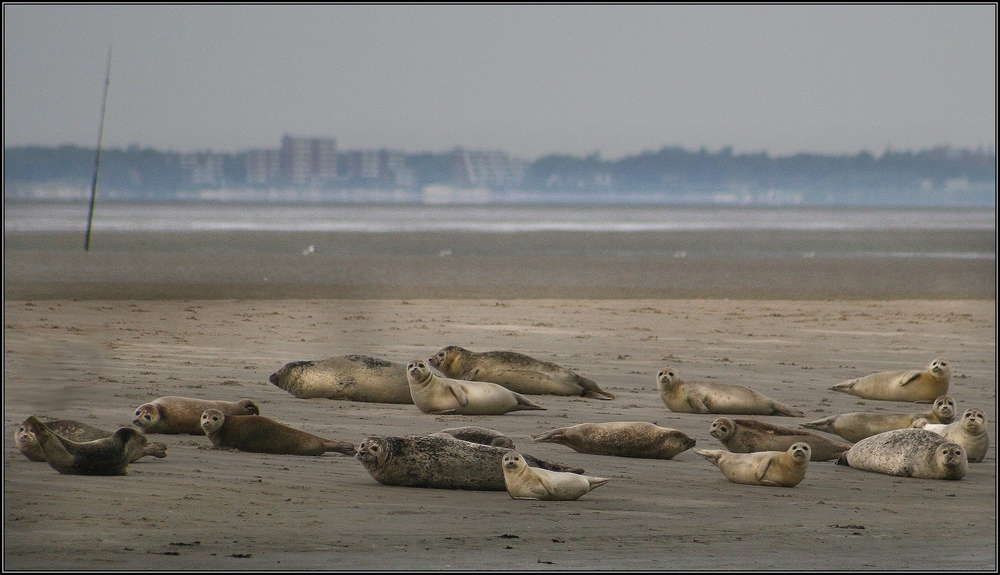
{"x": 274, "y": 378}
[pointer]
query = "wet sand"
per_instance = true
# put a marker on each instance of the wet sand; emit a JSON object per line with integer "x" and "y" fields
{"x": 90, "y": 337}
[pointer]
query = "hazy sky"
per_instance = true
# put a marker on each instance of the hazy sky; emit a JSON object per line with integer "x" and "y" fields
{"x": 530, "y": 80}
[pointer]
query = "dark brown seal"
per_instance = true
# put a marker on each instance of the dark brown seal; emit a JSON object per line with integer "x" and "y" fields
{"x": 257, "y": 434}
{"x": 108, "y": 456}
{"x": 77, "y": 431}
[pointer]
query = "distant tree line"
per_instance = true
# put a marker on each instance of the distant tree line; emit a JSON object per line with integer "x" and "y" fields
{"x": 969, "y": 176}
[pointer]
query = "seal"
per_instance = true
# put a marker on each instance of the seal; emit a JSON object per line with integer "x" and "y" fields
{"x": 183, "y": 414}
{"x": 480, "y": 435}
{"x": 749, "y": 435}
{"x": 515, "y": 371}
{"x": 969, "y": 432}
{"x": 107, "y": 456}
{"x": 621, "y": 438}
{"x": 908, "y": 453}
{"x": 914, "y": 385}
{"x": 348, "y": 377}
{"x": 443, "y": 395}
{"x": 258, "y": 434}
{"x": 771, "y": 468}
{"x": 439, "y": 462}
{"x": 524, "y": 482}
{"x": 709, "y": 397}
{"x": 28, "y": 445}
{"x": 857, "y": 426}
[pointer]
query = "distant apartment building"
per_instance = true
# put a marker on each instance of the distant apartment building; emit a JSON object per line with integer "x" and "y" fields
{"x": 201, "y": 169}
{"x": 263, "y": 167}
{"x": 489, "y": 169}
{"x": 300, "y": 162}
{"x": 384, "y": 168}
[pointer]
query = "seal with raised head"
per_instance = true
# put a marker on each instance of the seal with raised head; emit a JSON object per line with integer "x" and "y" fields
{"x": 969, "y": 432}
{"x": 750, "y": 435}
{"x": 440, "y": 462}
{"x": 258, "y": 434}
{"x": 28, "y": 445}
{"x": 515, "y": 371}
{"x": 480, "y": 435}
{"x": 859, "y": 425}
{"x": 622, "y": 438}
{"x": 348, "y": 377}
{"x": 908, "y": 453}
{"x": 444, "y": 395}
{"x": 107, "y": 456}
{"x": 710, "y": 397}
{"x": 173, "y": 414}
{"x": 771, "y": 468}
{"x": 524, "y": 482}
{"x": 921, "y": 386}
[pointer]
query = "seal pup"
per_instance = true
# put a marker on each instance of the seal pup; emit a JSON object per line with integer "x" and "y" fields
{"x": 258, "y": 434}
{"x": 750, "y": 435}
{"x": 920, "y": 386}
{"x": 443, "y": 395}
{"x": 515, "y": 371}
{"x": 621, "y": 438}
{"x": 107, "y": 456}
{"x": 480, "y": 435}
{"x": 440, "y": 462}
{"x": 523, "y": 482}
{"x": 173, "y": 414}
{"x": 908, "y": 453}
{"x": 27, "y": 443}
{"x": 969, "y": 432}
{"x": 348, "y": 377}
{"x": 771, "y": 468}
{"x": 709, "y": 397}
{"x": 857, "y": 426}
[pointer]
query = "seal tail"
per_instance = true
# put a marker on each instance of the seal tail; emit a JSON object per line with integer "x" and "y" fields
{"x": 709, "y": 454}
{"x": 592, "y": 390}
{"x": 596, "y": 482}
{"x": 345, "y": 447}
{"x": 845, "y": 386}
{"x": 842, "y": 460}
{"x": 524, "y": 403}
{"x": 549, "y": 436}
{"x": 820, "y": 424}
{"x": 782, "y": 409}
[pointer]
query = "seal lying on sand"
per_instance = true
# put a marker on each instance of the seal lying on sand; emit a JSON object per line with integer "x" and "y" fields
{"x": 258, "y": 434}
{"x": 480, "y": 435}
{"x": 524, "y": 482}
{"x": 908, "y": 453}
{"x": 969, "y": 432}
{"x": 857, "y": 426}
{"x": 27, "y": 442}
{"x": 515, "y": 371}
{"x": 749, "y": 435}
{"x": 440, "y": 462}
{"x": 183, "y": 414}
{"x": 913, "y": 385}
{"x": 108, "y": 456}
{"x": 443, "y": 395}
{"x": 709, "y": 397}
{"x": 771, "y": 468}
{"x": 348, "y": 377}
{"x": 621, "y": 438}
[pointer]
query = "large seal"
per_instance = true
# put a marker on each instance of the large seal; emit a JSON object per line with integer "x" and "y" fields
{"x": 515, "y": 371}
{"x": 183, "y": 414}
{"x": 439, "y": 462}
{"x": 908, "y": 453}
{"x": 914, "y": 385}
{"x": 750, "y": 435}
{"x": 621, "y": 438}
{"x": 28, "y": 445}
{"x": 859, "y": 425}
{"x": 107, "y": 456}
{"x": 525, "y": 482}
{"x": 349, "y": 377}
{"x": 480, "y": 435}
{"x": 258, "y": 434}
{"x": 443, "y": 395}
{"x": 771, "y": 468}
{"x": 969, "y": 432}
{"x": 709, "y": 397}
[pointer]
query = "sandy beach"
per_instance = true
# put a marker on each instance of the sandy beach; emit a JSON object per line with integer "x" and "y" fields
{"x": 91, "y": 340}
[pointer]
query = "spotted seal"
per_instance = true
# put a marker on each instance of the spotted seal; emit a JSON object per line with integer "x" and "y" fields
{"x": 27, "y": 443}
{"x": 515, "y": 371}
{"x": 173, "y": 414}
{"x": 480, "y": 435}
{"x": 969, "y": 432}
{"x": 524, "y": 482}
{"x": 348, "y": 377}
{"x": 921, "y": 386}
{"x": 908, "y": 453}
{"x": 750, "y": 435}
{"x": 771, "y": 468}
{"x": 710, "y": 397}
{"x": 621, "y": 438}
{"x": 859, "y": 425}
{"x": 107, "y": 456}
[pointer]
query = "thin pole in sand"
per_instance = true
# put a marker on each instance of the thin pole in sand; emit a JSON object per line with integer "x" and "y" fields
{"x": 97, "y": 156}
